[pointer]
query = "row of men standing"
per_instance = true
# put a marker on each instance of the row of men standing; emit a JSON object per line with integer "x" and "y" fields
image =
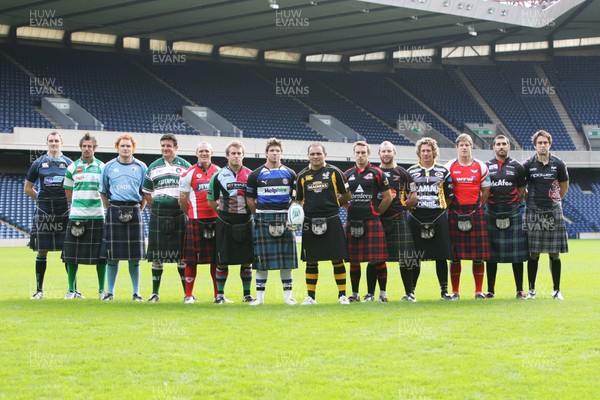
{"x": 219, "y": 228}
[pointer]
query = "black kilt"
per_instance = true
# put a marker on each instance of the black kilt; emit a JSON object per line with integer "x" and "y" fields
{"x": 197, "y": 249}
{"x": 326, "y": 247}
{"x": 165, "y": 233}
{"x": 123, "y": 241}
{"x": 471, "y": 245}
{"x": 543, "y": 234}
{"x": 370, "y": 246}
{"x": 234, "y": 239}
{"x": 49, "y": 225}
{"x": 271, "y": 253}
{"x": 398, "y": 238}
{"x": 506, "y": 245}
{"x": 439, "y": 246}
{"x": 84, "y": 249}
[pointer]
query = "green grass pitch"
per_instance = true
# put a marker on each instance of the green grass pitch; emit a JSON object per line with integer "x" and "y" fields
{"x": 493, "y": 349}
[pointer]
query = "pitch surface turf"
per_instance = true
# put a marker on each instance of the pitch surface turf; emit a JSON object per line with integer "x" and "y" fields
{"x": 493, "y": 349}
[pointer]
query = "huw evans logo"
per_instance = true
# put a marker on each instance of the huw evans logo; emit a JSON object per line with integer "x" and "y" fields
{"x": 168, "y": 56}
{"x": 44, "y": 87}
{"x": 414, "y": 55}
{"x": 290, "y": 87}
{"x": 44, "y": 19}
{"x": 536, "y": 86}
{"x": 290, "y": 19}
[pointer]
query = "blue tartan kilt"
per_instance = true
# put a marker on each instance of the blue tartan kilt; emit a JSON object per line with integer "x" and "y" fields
{"x": 544, "y": 234}
{"x": 84, "y": 249}
{"x": 272, "y": 253}
{"x": 398, "y": 238}
{"x": 165, "y": 233}
{"x": 123, "y": 240}
{"x": 506, "y": 245}
{"x": 330, "y": 246}
{"x": 49, "y": 225}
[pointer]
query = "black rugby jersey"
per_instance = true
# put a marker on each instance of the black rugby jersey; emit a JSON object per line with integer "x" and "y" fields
{"x": 365, "y": 185}
{"x": 319, "y": 190}
{"x": 506, "y": 178}
{"x": 401, "y": 184}
{"x": 543, "y": 181}
{"x": 433, "y": 184}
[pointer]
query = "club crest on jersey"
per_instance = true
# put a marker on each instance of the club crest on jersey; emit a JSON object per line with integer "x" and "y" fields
{"x": 284, "y": 181}
{"x": 199, "y": 176}
{"x": 369, "y": 175}
{"x": 439, "y": 174}
{"x": 326, "y": 175}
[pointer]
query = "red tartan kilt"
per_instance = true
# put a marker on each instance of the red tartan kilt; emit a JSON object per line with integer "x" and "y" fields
{"x": 196, "y": 249}
{"x": 370, "y": 247}
{"x": 471, "y": 245}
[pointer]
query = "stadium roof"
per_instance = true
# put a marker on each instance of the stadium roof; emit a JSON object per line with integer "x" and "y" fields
{"x": 343, "y": 27}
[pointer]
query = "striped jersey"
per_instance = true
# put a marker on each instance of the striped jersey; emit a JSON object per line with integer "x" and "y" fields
{"x": 162, "y": 179}
{"x": 230, "y": 188}
{"x": 434, "y": 186}
{"x": 84, "y": 180}
{"x": 365, "y": 185}
{"x": 273, "y": 189}
{"x": 195, "y": 181}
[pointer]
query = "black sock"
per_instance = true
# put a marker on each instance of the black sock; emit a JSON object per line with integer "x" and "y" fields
{"x": 555, "y": 268}
{"x": 416, "y": 271}
{"x": 40, "y": 271}
{"x": 518, "y": 273}
{"x": 181, "y": 270}
{"x": 156, "y": 277}
{"x": 441, "y": 270}
{"x": 491, "y": 270}
{"x": 532, "y": 268}
{"x": 406, "y": 275}
{"x": 355, "y": 274}
{"x": 371, "y": 278}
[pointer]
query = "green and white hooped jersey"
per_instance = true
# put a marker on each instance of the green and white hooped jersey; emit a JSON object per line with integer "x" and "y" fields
{"x": 162, "y": 179}
{"x": 84, "y": 180}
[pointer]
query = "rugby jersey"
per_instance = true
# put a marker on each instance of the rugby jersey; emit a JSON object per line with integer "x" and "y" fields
{"x": 401, "y": 183}
{"x": 365, "y": 185}
{"x": 195, "y": 181}
{"x": 433, "y": 184}
{"x": 467, "y": 180}
{"x": 48, "y": 174}
{"x": 273, "y": 189}
{"x": 318, "y": 190}
{"x": 162, "y": 179}
{"x": 123, "y": 182}
{"x": 543, "y": 181}
{"x": 84, "y": 180}
{"x": 506, "y": 177}
{"x": 231, "y": 189}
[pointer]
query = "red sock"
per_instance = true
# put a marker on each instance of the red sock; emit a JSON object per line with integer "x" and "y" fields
{"x": 455, "y": 269}
{"x": 478, "y": 269}
{"x": 213, "y": 275}
{"x": 189, "y": 275}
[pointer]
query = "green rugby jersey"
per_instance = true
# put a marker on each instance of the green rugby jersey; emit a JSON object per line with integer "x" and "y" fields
{"x": 84, "y": 180}
{"x": 162, "y": 179}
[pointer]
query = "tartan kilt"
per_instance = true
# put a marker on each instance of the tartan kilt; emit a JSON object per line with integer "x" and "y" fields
{"x": 439, "y": 246}
{"x": 272, "y": 253}
{"x": 49, "y": 225}
{"x": 84, "y": 249}
{"x": 399, "y": 239}
{"x": 229, "y": 250}
{"x": 371, "y": 246}
{"x": 471, "y": 245}
{"x": 165, "y": 245}
{"x": 326, "y": 247}
{"x": 197, "y": 249}
{"x": 506, "y": 245}
{"x": 546, "y": 236}
{"x": 123, "y": 241}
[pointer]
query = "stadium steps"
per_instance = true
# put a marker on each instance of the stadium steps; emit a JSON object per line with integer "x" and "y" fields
{"x": 484, "y": 105}
{"x": 424, "y": 105}
{"x": 364, "y": 110}
{"x": 48, "y": 118}
{"x": 562, "y": 112}
{"x": 12, "y": 226}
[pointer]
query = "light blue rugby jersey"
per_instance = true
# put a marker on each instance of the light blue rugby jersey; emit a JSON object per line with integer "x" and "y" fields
{"x": 123, "y": 182}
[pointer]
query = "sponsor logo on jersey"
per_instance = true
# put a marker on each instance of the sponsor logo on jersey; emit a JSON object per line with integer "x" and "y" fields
{"x": 236, "y": 186}
{"x": 502, "y": 182}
